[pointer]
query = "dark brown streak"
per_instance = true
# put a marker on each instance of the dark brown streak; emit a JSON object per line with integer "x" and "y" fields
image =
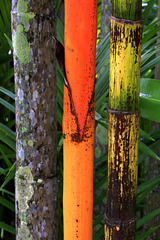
{"x": 59, "y": 51}
{"x": 66, "y": 83}
{"x": 89, "y": 110}
{"x": 76, "y": 136}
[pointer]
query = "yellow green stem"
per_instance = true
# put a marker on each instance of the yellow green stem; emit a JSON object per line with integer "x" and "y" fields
{"x": 125, "y": 57}
{"x": 127, "y": 9}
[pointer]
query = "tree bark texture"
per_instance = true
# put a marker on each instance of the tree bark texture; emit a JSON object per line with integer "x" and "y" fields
{"x": 151, "y": 202}
{"x": 33, "y": 25}
{"x": 123, "y": 120}
{"x": 105, "y": 17}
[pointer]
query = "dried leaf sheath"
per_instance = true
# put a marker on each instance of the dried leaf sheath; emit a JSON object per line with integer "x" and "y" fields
{"x": 78, "y": 117}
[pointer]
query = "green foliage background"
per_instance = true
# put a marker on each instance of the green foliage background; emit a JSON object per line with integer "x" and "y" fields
{"x": 149, "y": 106}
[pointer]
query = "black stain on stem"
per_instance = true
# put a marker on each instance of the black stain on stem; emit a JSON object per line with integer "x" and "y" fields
{"x": 76, "y": 137}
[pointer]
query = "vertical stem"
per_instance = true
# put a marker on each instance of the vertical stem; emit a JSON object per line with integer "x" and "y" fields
{"x": 123, "y": 119}
{"x": 127, "y": 9}
{"x": 125, "y": 56}
{"x": 123, "y": 133}
{"x": 33, "y": 26}
{"x": 105, "y": 17}
{"x": 78, "y": 117}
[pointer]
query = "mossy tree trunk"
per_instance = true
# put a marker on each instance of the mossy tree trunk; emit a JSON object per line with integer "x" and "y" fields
{"x": 105, "y": 17}
{"x": 33, "y": 25}
{"x": 123, "y": 119}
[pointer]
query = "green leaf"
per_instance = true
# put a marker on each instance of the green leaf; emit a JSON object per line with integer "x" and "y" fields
{"x": 143, "y": 134}
{"x": 144, "y": 148}
{"x": 149, "y": 216}
{"x": 7, "y": 228}
{"x": 59, "y": 115}
{"x": 7, "y": 132}
{"x": 141, "y": 197}
{"x": 146, "y": 59}
{"x": 146, "y": 234}
{"x": 7, "y": 92}
{"x": 58, "y": 4}
{"x": 9, "y": 41}
{"x": 6, "y": 159}
{"x": 4, "y": 78}
{"x": 151, "y": 64}
{"x": 150, "y": 99}
{"x": 150, "y": 108}
{"x": 7, "y": 149}
{"x": 8, "y": 141}
{"x": 154, "y": 146}
{"x": 100, "y": 198}
{"x": 7, "y": 192}
{"x": 101, "y": 170}
{"x": 97, "y": 152}
{"x": 100, "y": 183}
{"x": 9, "y": 176}
{"x": 7, "y": 204}
{"x": 148, "y": 184}
{"x": 101, "y": 133}
{"x": 100, "y": 101}
{"x": 150, "y": 32}
{"x": 150, "y": 42}
{"x": 104, "y": 60}
{"x": 147, "y": 11}
{"x": 150, "y": 87}
{"x": 100, "y": 219}
{"x": 7, "y": 105}
{"x": 60, "y": 32}
{"x": 4, "y": 59}
{"x": 99, "y": 234}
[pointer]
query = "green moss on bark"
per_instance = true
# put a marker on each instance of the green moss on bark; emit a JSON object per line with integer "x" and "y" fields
{"x": 22, "y": 7}
{"x": 20, "y": 44}
{"x": 24, "y": 192}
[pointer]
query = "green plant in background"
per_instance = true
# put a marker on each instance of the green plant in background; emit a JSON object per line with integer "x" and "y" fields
{"x": 148, "y": 143}
{"x": 7, "y": 124}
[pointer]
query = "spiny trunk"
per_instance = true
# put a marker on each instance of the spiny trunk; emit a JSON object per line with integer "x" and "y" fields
{"x": 78, "y": 118}
{"x": 123, "y": 119}
{"x": 33, "y": 25}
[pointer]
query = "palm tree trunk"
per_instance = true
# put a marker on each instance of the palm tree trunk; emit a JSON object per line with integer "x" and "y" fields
{"x": 105, "y": 17}
{"x": 123, "y": 119}
{"x": 78, "y": 118}
{"x": 33, "y": 25}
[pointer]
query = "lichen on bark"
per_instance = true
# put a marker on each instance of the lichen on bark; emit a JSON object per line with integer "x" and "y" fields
{"x": 24, "y": 192}
{"x": 22, "y": 7}
{"x": 24, "y": 188}
{"x": 20, "y": 44}
{"x": 36, "y": 122}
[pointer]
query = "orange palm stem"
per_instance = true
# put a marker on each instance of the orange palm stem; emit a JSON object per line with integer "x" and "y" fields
{"x": 78, "y": 117}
